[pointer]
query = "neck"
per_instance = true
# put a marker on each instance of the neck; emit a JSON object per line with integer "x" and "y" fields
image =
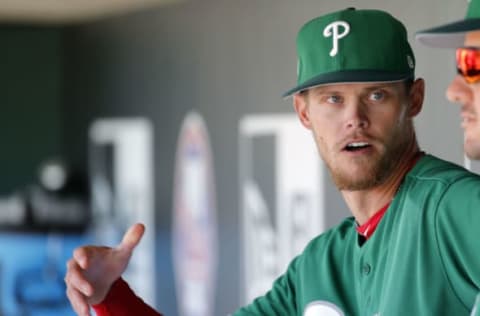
{"x": 364, "y": 203}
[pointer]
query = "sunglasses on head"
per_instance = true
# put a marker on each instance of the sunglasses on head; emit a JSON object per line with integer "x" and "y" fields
{"x": 468, "y": 63}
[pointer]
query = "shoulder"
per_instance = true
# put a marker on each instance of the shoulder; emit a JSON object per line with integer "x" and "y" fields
{"x": 441, "y": 186}
{"x": 335, "y": 239}
{"x": 448, "y": 192}
{"x": 434, "y": 178}
{"x": 442, "y": 193}
{"x": 435, "y": 170}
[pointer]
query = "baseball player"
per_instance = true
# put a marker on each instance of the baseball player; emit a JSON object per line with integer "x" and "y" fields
{"x": 411, "y": 245}
{"x": 464, "y": 35}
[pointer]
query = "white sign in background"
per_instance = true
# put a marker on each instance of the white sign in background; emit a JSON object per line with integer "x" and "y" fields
{"x": 269, "y": 246}
{"x": 125, "y": 196}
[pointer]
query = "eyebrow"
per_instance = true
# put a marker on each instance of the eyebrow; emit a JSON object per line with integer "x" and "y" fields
{"x": 331, "y": 89}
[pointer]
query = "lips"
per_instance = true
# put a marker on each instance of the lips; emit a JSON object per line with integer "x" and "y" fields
{"x": 356, "y": 146}
{"x": 467, "y": 118}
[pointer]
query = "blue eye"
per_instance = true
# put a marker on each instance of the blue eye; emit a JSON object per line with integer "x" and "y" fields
{"x": 334, "y": 99}
{"x": 377, "y": 95}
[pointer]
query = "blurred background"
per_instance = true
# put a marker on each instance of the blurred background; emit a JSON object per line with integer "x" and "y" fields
{"x": 169, "y": 112}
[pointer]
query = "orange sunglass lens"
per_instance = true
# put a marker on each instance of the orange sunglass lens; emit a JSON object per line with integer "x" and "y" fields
{"x": 468, "y": 63}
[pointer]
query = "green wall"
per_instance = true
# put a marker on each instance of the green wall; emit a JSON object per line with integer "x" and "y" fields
{"x": 30, "y": 102}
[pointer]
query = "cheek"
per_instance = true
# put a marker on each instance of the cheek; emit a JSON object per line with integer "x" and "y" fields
{"x": 391, "y": 127}
{"x": 395, "y": 119}
{"x": 476, "y": 100}
{"x": 324, "y": 138}
{"x": 324, "y": 121}
{"x": 320, "y": 125}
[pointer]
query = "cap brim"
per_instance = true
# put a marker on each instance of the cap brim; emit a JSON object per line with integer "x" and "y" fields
{"x": 449, "y": 35}
{"x": 349, "y": 77}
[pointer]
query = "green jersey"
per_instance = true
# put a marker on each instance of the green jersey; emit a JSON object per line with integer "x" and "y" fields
{"x": 423, "y": 259}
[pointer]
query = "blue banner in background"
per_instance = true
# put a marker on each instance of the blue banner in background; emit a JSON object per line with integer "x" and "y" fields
{"x": 40, "y": 226}
{"x": 32, "y": 268}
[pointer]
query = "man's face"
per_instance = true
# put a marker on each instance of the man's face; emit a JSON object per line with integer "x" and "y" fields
{"x": 468, "y": 96}
{"x": 361, "y": 129}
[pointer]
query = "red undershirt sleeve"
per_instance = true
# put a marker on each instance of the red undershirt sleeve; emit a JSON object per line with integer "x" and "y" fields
{"x": 122, "y": 301}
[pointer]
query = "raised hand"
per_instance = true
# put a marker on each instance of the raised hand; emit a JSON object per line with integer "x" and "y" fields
{"x": 93, "y": 269}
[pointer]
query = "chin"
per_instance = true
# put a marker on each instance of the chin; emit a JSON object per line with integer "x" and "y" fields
{"x": 348, "y": 183}
{"x": 472, "y": 152}
{"x": 473, "y": 155}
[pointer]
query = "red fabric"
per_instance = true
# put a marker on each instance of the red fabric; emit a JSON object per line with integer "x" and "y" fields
{"x": 367, "y": 229}
{"x": 121, "y": 301}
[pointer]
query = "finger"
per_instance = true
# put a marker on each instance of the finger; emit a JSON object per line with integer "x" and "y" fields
{"x": 87, "y": 256}
{"x": 79, "y": 302}
{"x": 80, "y": 255}
{"x": 132, "y": 237}
{"x": 76, "y": 279}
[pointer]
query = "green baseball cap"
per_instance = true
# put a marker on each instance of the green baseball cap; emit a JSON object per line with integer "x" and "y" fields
{"x": 352, "y": 46}
{"x": 452, "y": 34}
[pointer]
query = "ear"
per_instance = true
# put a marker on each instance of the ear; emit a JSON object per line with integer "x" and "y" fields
{"x": 416, "y": 96}
{"x": 301, "y": 107}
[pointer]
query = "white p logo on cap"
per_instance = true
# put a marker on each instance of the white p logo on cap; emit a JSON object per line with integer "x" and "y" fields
{"x": 333, "y": 30}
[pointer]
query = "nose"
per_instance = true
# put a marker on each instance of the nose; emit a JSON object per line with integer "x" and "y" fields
{"x": 357, "y": 116}
{"x": 459, "y": 91}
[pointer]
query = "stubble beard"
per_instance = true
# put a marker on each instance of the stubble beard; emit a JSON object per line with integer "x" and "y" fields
{"x": 369, "y": 171}
{"x": 471, "y": 133}
{"x": 471, "y": 145}
{"x": 472, "y": 151}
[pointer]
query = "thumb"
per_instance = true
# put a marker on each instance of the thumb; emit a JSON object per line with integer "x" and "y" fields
{"x": 132, "y": 238}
